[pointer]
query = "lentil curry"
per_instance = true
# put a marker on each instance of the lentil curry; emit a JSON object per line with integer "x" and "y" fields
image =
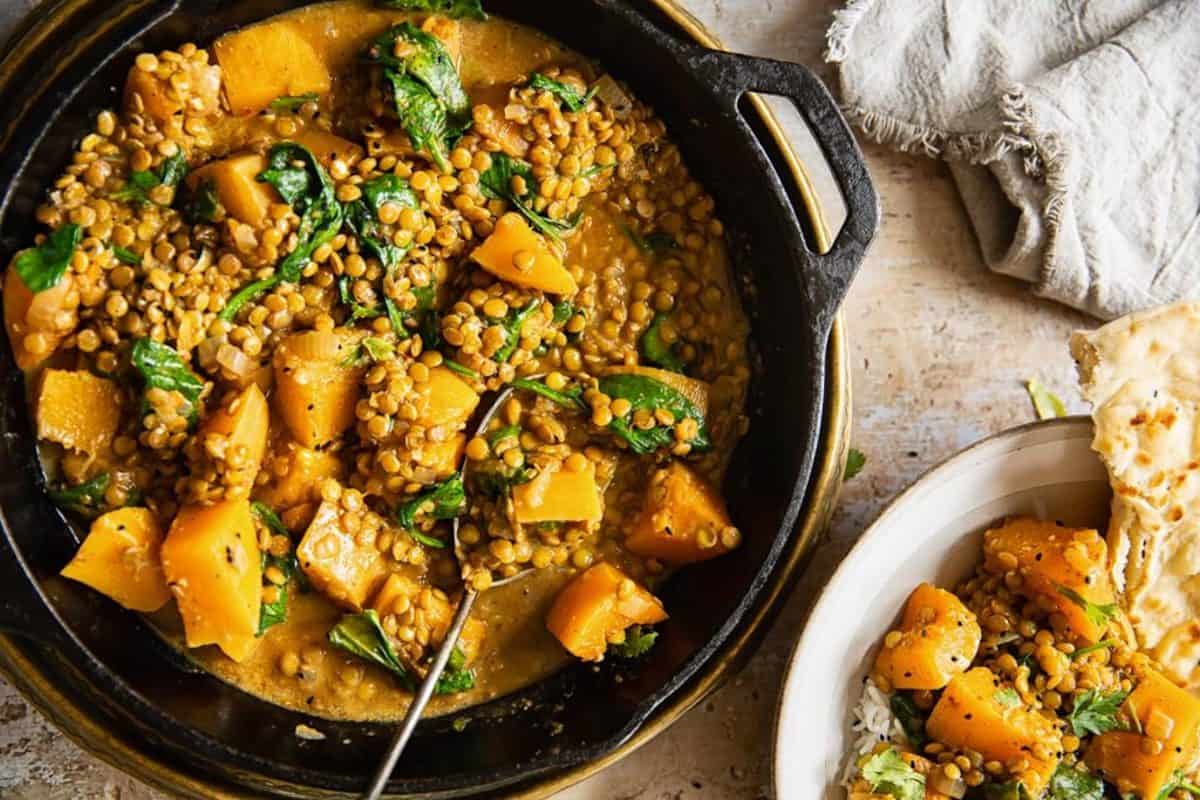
{"x": 1025, "y": 682}
{"x": 278, "y": 285}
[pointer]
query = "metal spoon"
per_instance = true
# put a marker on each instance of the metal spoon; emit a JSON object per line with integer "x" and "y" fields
{"x": 442, "y": 657}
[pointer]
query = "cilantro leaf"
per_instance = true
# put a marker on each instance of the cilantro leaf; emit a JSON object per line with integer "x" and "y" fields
{"x": 888, "y": 773}
{"x": 1095, "y": 713}
{"x": 1068, "y": 783}
{"x": 1099, "y": 614}
{"x": 855, "y": 461}
{"x": 42, "y": 267}
{"x": 638, "y": 641}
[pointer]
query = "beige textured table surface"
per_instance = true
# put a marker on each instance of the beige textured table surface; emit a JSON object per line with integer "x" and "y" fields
{"x": 940, "y": 348}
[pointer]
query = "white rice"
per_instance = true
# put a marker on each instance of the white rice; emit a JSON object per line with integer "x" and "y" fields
{"x": 873, "y": 723}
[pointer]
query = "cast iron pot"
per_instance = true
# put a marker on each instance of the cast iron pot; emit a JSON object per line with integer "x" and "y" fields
{"x": 105, "y": 679}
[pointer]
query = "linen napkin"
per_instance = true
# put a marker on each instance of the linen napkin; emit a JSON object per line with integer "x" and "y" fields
{"x": 1072, "y": 129}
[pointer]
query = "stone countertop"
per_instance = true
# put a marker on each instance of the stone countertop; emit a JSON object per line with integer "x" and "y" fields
{"x": 940, "y": 348}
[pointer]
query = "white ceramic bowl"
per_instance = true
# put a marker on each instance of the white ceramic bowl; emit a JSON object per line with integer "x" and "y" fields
{"x": 931, "y": 532}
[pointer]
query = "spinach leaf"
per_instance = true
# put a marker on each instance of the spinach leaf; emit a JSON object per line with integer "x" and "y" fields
{"x": 567, "y": 95}
{"x": 1007, "y": 697}
{"x": 498, "y": 484}
{"x": 86, "y": 499}
{"x": 1095, "y": 713}
{"x": 202, "y": 203}
{"x": 496, "y": 182}
{"x": 456, "y": 677}
{"x": 568, "y": 398}
{"x": 1068, "y": 783}
{"x": 363, "y": 636}
{"x": 275, "y": 612}
{"x": 422, "y": 117}
{"x": 302, "y": 182}
{"x": 910, "y": 717}
{"x": 126, "y": 256}
{"x": 42, "y": 267}
{"x": 290, "y": 102}
{"x": 855, "y": 461}
{"x": 1178, "y": 781}
{"x": 656, "y": 242}
{"x": 1013, "y": 790}
{"x": 563, "y": 311}
{"x": 161, "y": 367}
{"x": 458, "y": 368}
{"x": 500, "y": 434}
{"x": 445, "y": 500}
{"x": 170, "y": 173}
{"x": 455, "y": 9}
{"x": 889, "y": 773}
{"x": 362, "y": 216}
{"x": 646, "y": 393}
{"x": 638, "y": 641}
{"x": 430, "y": 101}
{"x": 1098, "y": 614}
{"x": 655, "y": 350}
{"x": 513, "y": 322}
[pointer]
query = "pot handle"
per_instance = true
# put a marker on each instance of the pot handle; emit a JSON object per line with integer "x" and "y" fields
{"x": 732, "y": 75}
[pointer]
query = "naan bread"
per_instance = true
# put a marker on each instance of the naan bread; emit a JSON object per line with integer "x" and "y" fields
{"x": 1142, "y": 376}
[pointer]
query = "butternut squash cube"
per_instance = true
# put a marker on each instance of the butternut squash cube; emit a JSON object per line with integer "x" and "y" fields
{"x": 328, "y": 146}
{"x": 1163, "y": 709}
{"x": 235, "y": 180}
{"x": 970, "y": 715}
{"x": 315, "y": 388}
{"x": 78, "y": 410}
{"x": 34, "y": 315}
{"x": 682, "y": 520}
{"x": 401, "y": 592}
{"x": 598, "y": 605}
{"x": 561, "y": 496}
{"x": 266, "y": 61}
{"x": 121, "y": 558}
{"x": 1064, "y": 569}
{"x": 345, "y": 571}
{"x": 442, "y": 459}
{"x": 296, "y": 472}
{"x": 214, "y": 568}
{"x": 444, "y": 400}
{"x": 512, "y": 243}
{"x": 160, "y": 100}
{"x": 939, "y": 639}
{"x": 243, "y": 422}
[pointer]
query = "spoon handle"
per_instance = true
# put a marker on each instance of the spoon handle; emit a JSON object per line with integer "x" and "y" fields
{"x": 424, "y": 693}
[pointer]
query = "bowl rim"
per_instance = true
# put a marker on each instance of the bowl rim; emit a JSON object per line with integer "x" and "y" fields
{"x": 820, "y": 500}
{"x": 1068, "y": 427}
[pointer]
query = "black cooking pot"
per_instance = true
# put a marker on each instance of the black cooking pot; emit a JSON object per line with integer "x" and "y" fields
{"x": 101, "y": 675}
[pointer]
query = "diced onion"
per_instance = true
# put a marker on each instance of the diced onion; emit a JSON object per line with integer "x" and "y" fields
{"x": 612, "y": 95}
{"x": 234, "y": 361}
{"x": 315, "y": 346}
{"x": 956, "y": 788}
{"x": 207, "y": 350}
